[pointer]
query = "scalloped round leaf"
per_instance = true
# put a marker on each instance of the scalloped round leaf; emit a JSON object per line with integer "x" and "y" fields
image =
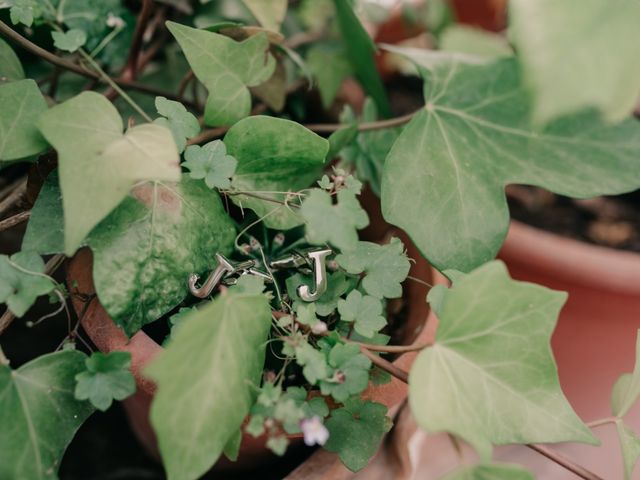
{"x": 444, "y": 178}
{"x": 490, "y": 378}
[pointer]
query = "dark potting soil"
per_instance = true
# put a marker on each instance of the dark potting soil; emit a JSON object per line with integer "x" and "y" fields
{"x": 612, "y": 222}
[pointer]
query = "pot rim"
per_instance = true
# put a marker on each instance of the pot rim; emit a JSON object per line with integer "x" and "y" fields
{"x": 572, "y": 260}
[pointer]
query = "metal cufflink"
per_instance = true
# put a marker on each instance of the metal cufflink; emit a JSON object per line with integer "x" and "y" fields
{"x": 316, "y": 260}
{"x": 225, "y": 272}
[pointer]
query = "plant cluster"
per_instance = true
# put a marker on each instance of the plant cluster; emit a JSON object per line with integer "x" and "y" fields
{"x": 157, "y": 160}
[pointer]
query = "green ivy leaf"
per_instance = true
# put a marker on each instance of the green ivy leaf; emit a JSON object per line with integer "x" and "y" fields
{"x": 182, "y": 123}
{"x": 364, "y": 311}
{"x": 474, "y": 41}
{"x": 630, "y": 445}
{"x": 26, "y": 11}
{"x": 351, "y": 375}
{"x": 206, "y": 379}
{"x": 461, "y": 150}
{"x": 335, "y": 224}
{"x": 107, "y": 377}
{"x": 355, "y": 432}
{"x": 306, "y": 313}
{"x": 269, "y": 13}
{"x": 490, "y": 378}
{"x": 385, "y": 267}
{"x": 22, "y": 103}
{"x": 626, "y": 390}
{"x": 106, "y": 163}
{"x": 45, "y": 230}
{"x": 145, "y": 250}
{"x": 361, "y": 50}
{"x": 211, "y": 163}
{"x": 274, "y": 155}
{"x": 564, "y": 50}
{"x": 495, "y": 471}
{"x": 10, "y": 66}
{"x": 39, "y": 414}
{"x": 69, "y": 41}
{"x": 367, "y": 151}
{"x": 22, "y": 281}
{"x": 329, "y": 80}
{"x": 226, "y": 68}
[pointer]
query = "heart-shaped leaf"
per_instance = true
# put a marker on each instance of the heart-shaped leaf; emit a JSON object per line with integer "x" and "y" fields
{"x": 226, "y": 68}
{"x": 444, "y": 178}
{"x": 10, "y": 66}
{"x": 39, "y": 414}
{"x": 490, "y": 378}
{"x": 22, "y": 103}
{"x": 97, "y": 161}
{"x": 146, "y": 249}
{"x": 274, "y": 155}
{"x": 207, "y": 380}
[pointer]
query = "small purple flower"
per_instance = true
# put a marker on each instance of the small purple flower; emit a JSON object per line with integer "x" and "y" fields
{"x": 315, "y": 433}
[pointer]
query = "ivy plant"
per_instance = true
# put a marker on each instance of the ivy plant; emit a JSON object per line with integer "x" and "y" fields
{"x": 172, "y": 140}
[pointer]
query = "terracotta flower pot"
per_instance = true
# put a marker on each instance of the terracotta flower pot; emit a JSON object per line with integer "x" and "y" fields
{"x": 594, "y": 341}
{"x": 108, "y": 337}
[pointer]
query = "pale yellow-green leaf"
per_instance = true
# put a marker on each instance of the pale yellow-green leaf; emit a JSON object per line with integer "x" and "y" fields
{"x": 630, "y": 446}
{"x": 626, "y": 390}
{"x": 99, "y": 164}
{"x": 270, "y": 13}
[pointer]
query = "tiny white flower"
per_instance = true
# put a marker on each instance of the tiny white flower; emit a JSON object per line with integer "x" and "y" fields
{"x": 319, "y": 328}
{"x": 114, "y": 21}
{"x": 315, "y": 433}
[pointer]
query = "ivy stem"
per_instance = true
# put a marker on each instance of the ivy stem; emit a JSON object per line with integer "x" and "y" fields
{"x": 563, "y": 461}
{"x": 364, "y": 127}
{"x": 114, "y": 85}
{"x": 78, "y": 69}
{"x": 17, "y": 219}
{"x": 601, "y": 422}
{"x": 385, "y": 365}
{"x": 131, "y": 69}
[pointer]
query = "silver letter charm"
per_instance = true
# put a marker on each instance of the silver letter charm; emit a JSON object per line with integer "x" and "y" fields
{"x": 319, "y": 276}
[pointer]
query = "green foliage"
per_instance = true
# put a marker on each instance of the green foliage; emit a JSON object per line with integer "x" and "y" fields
{"x": 145, "y": 250}
{"x": 106, "y": 163}
{"x": 39, "y": 414}
{"x": 355, "y": 432}
{"x": 364, "y": 311}
{"x": 205, "y": 381}
{"x": 336, "y": 224}
{"x": 630, "y": 445}
{"x": 445, "y": 175}
{"x": 45, "y": 230}
{"x": 360, "y": 50}
{"x": 70, "y": 40}
{"x": 329, "y": 80}
{"x": 476, "y": 385}
{"x": 385, "y": 267}
{"x": 314, "y": 363}
{"x": 337, "y": 285}
{"x": 22, "y": 103}
{"x": 106, "y": 378}
{"x": 226, "y": 68}
{"x": 211, "y": 163}
{"x": 366, "y": 151}
{"x": 350, "y": 375}
{"x": 269, "y": 13}
{"x": 490, "y": 472}
{"x": 182, "y": 123}
{"x": 565, "y": 52}
{"x": 626, "y": 390}
{"x": 22, "y": 281}
{"x": 274, "y": 155}
{"x": 474, "y": 41}
{"x": 10, "y": 66}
